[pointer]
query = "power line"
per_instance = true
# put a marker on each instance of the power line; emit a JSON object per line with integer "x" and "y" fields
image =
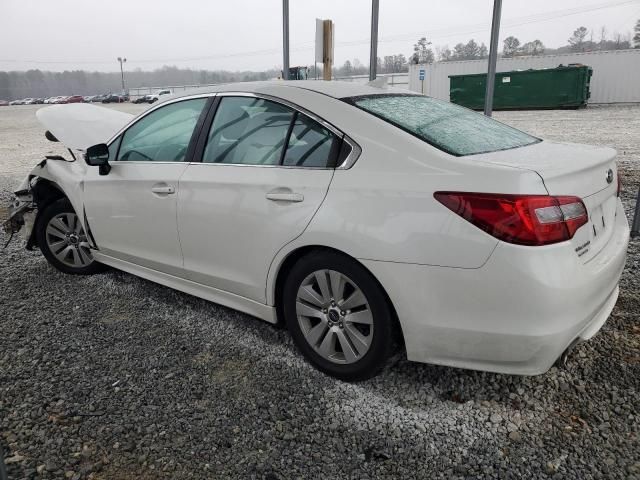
{"x": 434, "y": 34}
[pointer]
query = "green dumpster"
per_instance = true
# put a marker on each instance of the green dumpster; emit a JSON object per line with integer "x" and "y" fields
{"x": 561, "y": 87}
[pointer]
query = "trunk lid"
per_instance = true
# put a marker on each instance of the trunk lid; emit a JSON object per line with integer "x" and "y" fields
{"x": 585, "y": 171}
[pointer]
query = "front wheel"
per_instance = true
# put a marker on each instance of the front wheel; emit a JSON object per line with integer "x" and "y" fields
{"x": 63, "y": 241}
{"x": 338, "y": 316}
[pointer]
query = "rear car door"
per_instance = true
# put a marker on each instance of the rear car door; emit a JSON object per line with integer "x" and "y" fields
{"x": 132, "y": 210}
{"x": 265, "y": 169}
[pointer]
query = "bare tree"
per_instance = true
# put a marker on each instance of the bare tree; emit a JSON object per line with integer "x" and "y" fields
{"x": 577, "y": 39}
{"x": 636, "y": 37}
{"x": 603, "y": 37}
{"x": 510, "y": 46}
{"x": 444, "y": 53}
{"x": 533, "y": 48}
{"x": 421, "y": 52}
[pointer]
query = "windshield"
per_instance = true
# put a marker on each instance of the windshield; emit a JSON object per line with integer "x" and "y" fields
{"x": 446, "y": 126}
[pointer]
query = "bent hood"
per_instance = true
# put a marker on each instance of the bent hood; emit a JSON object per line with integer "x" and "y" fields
{"x": 80, "y": 125}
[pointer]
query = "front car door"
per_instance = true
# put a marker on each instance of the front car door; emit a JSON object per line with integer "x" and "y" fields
{"x": 132, "y": 210}
{"x": 265, "y": 169}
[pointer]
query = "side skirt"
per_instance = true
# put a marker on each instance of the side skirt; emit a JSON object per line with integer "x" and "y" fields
{"x": 263, "y": 312}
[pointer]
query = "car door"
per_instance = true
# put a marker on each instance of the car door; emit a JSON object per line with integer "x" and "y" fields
{"x": 265, "y": 169}
{"x": 132, "y": 210}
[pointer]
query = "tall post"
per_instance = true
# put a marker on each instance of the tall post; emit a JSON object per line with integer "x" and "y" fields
{"x": 493, "y": 57}
{"x": 373, "y": 56}
{"x": 122, "y": 60}
{"x": 285, "y": 39}
{"x": 327, "y": 47}
{"x": 635, "y": 226}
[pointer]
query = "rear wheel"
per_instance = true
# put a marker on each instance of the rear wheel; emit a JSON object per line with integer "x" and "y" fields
{"x": 63, "y": 241}
{"x": 338, "y": 316}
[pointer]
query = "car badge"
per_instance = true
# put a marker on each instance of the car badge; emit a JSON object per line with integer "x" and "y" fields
{"x": 610, "y": 176}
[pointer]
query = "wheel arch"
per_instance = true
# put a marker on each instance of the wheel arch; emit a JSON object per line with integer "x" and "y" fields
{"x": 45, "y": 192}
{"x": 293, "y": 256}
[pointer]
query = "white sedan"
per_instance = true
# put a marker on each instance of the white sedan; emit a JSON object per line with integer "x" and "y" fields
{"x": 356, "y": 215}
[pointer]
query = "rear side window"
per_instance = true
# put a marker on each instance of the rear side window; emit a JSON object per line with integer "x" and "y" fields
{"x": 256, "y": 131}
{"x": 446, "y": 126}
{"x": 248, "y": 131}
{"x": 309, "y": 144}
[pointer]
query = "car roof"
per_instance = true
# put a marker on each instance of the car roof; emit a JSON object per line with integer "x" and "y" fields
{"x": 335, "y": 89}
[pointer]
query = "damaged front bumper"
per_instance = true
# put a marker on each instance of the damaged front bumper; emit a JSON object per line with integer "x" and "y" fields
{"x": 22, "y": 215}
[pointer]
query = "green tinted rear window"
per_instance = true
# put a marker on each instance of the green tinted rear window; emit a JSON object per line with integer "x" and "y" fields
{"x": 446, "y": 126}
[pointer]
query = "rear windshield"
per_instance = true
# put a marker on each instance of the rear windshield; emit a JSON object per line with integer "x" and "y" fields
{"x": 446, "y": 126}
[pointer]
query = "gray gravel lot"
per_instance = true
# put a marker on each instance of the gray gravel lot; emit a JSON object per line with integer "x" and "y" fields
{"x": 114, "y": 377}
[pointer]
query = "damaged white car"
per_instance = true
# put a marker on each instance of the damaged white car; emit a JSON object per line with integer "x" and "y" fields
{"x": 355, "y": 214}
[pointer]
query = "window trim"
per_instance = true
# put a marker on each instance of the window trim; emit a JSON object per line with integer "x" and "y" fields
{"x": 211, "y": 108}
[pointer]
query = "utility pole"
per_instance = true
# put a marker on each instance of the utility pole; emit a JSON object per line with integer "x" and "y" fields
{"x": 122, "y": 60}
{"x": 285, "y": 39}
{"x": 373, "y": 56}
{"x": 493, "y": 57}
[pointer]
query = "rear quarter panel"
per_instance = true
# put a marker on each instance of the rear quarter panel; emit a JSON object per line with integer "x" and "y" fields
{"x": 383, "y": 207}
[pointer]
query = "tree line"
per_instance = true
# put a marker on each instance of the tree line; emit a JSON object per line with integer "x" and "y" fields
{"x": 37, "y": 83}
{"x": 581, "y": 40}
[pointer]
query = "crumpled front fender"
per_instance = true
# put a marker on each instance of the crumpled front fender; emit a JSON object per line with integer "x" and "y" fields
{"x": 66, "y": 176}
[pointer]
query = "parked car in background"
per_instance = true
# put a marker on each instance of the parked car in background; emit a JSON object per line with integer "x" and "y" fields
{"x": 161, "y": 95}
{"x": 75, "y": 99}
{"x": 382, "y": 213}
{"x": 29, "y": 101}
{"x": 114, "y": 98}
{"x": 4, "y": 103}
{"x": 87, "y": 98}
{"x": 97, "y": 98}
{"x": 144, "y": 99}
{"x": 16, "y": 102}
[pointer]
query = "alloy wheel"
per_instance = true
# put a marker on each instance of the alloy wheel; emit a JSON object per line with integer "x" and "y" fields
{"x": 334, "y": 316}
{"x": 67, "y": 241}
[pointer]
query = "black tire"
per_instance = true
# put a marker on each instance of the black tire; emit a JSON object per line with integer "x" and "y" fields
{"x": 50, "y": 211}
{"x": 383, "y": 341}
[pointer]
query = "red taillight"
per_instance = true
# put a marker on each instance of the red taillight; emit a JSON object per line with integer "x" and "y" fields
{"x": 519, "y": 219}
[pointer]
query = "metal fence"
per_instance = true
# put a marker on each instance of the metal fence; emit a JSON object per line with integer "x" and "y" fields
{"x": 399, "y": 80}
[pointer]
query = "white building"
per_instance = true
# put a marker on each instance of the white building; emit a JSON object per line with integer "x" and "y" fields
{"x": 616, "y": 74}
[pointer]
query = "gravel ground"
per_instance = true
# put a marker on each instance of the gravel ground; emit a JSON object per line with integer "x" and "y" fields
{"x": 114, "y": 377}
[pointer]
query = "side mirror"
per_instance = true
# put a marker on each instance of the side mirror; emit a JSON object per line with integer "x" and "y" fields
{"x": 98, "y": 156}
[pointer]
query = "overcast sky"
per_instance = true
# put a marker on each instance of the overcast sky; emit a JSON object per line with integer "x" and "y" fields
{"x": 247, "y": 34}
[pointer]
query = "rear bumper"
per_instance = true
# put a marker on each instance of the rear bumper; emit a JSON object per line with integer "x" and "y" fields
{"x": 516, "y": 314}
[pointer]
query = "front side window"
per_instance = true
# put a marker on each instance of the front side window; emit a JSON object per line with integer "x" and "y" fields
{"x": 255, "y": 131}
{"x": 446, "y": 126}
{"x": 163, "y": 135}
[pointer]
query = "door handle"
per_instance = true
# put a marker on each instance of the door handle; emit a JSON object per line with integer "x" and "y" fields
{"x": 163, "y": 189}
{"x": 285, "y": 197}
